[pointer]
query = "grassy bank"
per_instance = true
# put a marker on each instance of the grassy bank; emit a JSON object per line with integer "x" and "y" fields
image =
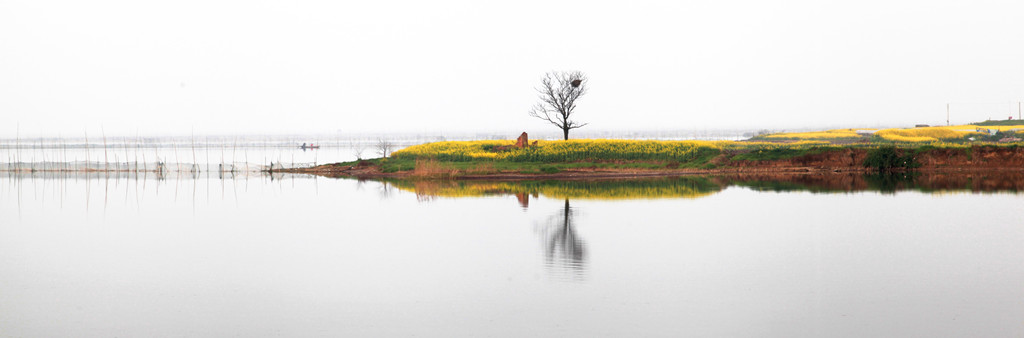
{"x": 431, "y": 167}
{"x": 974, "y": 146}
{"x": 550, "y": 157}
{"x": 460, "y": 158}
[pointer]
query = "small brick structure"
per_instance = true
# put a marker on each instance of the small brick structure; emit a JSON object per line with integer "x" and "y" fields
{"x": 523, "y": 141}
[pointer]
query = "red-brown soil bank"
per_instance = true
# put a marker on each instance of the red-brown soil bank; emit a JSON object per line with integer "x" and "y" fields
{"x": 988, "y": 159}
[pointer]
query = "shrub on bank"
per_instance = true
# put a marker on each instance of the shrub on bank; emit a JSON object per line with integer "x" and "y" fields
{"x": 888, "y": 158}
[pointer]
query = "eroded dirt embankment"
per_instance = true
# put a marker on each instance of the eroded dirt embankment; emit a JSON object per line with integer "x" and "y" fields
{"x": 852, "y": 159}
{"x": 849, "y": 159}
{"x": 973, "y": 158}
{"x": 981, "y": 159}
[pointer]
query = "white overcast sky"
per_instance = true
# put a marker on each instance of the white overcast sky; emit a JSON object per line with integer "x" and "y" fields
{"x": 161, "y": 67}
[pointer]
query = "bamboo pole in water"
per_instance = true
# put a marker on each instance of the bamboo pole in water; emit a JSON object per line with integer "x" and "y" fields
{"x": 159, "y": 161}
{"x": 221, "y": 169}
{"x": 32, "y": 164}
{"x": 137, "y": 145}
{"x": 87, "y": 149}
{"x": 63, "y": 153}
{"x": 106, "y": 163}
{"x": 137, "y": 156}
{"x": 42, "y": 155}
{"x": 177, "y": 162}
{"x": 124, "y": 142}
{"x": 194, "y": 165}
{"x": 234, "y": 148}
{"x": 17, "y": 148}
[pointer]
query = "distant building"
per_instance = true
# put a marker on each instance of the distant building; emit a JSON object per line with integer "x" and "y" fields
{"x": 921, "y": 126}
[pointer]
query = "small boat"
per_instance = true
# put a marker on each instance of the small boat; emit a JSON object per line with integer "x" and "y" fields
{"x": 309, "y": 146}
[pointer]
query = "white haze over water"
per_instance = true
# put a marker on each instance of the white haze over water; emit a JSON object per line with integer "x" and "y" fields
{"x": 239, "y": 67}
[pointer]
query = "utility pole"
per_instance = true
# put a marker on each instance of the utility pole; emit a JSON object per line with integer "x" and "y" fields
{"x": 1018, "y": 110}
{"x": 947, "y": 115}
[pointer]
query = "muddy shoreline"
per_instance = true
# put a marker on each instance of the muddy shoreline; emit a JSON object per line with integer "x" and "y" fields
{"x": 940, "y": 160}
{"x": 627, "y": 173}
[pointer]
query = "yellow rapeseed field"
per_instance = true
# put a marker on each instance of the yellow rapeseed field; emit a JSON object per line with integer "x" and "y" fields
{"x": 582, "y": 149}
{"x": 681, "y": 151}
{"x": 928, "y": 134}
{"x": 816, "y": 135}
{"x": 901, "y": 135}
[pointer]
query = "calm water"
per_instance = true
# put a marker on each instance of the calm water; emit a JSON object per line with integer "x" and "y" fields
{"x": 179, "y": 155}
{"x": 97, "y": 256}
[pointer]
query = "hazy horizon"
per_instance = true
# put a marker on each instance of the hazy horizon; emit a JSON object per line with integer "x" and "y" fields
{"x": 325, "y": 137}
{"x": 242, "y": 67}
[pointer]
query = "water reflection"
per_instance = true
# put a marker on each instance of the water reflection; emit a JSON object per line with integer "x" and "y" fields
{"x": 687, "y": 187}
{"x": 702, "y": 186}
{"x": 352, "y": 263}
{"x": 669, "y": 187}
{"x": 524, "y": 199}
{"x": 565, "y": 252}
{"x": 101, "y": 189}
{"x": 948, "y": 182}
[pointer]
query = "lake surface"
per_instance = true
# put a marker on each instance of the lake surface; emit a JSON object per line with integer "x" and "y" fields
{"x": 181, "y": 154}
{"x": 100, "y": 256}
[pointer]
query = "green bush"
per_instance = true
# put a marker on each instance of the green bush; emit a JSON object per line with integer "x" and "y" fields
{"x": 888, "y": 158}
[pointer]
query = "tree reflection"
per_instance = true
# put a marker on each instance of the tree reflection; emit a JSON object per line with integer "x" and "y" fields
{"x": 564, "y": 251}
{"x": 889, "y": 182}
{"x": 385, "y": 190}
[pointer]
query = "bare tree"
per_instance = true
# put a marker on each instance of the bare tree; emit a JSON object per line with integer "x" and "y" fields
{"x": 357, "y": 148}
{"x": 558, "y": 94}
{"x": 384, "y": 147}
